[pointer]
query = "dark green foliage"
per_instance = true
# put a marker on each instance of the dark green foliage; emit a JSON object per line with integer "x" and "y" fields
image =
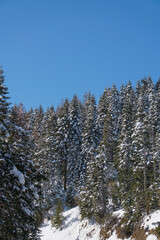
{"x": 89, "y": 134}
{"x": 157, "y": 230}
{"x": 57, "y": 219}
{"x": 124, "y": 151}
{"x": 102, "y": 111}
{"x": 18, "y": 193}
{"x": 75, "y": 157}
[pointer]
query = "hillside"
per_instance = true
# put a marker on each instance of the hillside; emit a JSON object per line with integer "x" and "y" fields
{"x": 75, "y": 229}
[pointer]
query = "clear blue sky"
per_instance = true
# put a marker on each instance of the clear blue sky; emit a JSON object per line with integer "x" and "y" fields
{"x": 52, "y": 49}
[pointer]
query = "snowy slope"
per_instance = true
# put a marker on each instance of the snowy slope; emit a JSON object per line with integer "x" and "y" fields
{"x": 73, "y": 228}
{"x": 151, "y": 221}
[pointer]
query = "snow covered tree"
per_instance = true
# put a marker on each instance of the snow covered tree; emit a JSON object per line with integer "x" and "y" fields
{"x": 24, "y": 174}
{"x": 17, "y": 192}
{"x": 49, "y": 134}
{"x": 102, "y": 111}
{"x": 5, "y": 160}
{"x": 63, "y": 144}
{"x": 156, "y": 144}
{"x": 38, "y": 155}
{"x": 89, "y": 133}
{"x": 124, "y": 153}
{"x": 19, "y": 115}
{"x": 111, "y": 127}
{"x": 95, "y": 195}
{"x": 143, "y": 143}
{"x": 92, "y": 197}
{"x": 38, "y": 115}
{"x": 74, "y": 161}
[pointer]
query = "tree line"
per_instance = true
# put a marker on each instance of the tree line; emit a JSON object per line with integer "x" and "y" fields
{"x": 103, "y": 157}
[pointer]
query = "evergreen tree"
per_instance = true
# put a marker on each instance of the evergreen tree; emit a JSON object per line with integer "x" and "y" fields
{"x": 49, "y": 186}
{"x": 24, "y": 174}
{"x": 63, "y": 144}
{"x": 5, "y": 161}
{"x": 102, "y": 111}
{"x": 143, "y": 138}
{"x": 124, "y": 152}
{"x": 74, "y": 161}
{"x": 38, "y": 155}
{"x": 92, "y": 194}
{"x": 17, "y": 191}
{"x": 111, "y": 125}
{"x": 89, "y": 133}
{"x": 156, "y": 148}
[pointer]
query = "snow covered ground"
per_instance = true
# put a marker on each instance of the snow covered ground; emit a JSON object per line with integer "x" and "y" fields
{"x": 75, "y": 229}
{"x": 151, "y": 221}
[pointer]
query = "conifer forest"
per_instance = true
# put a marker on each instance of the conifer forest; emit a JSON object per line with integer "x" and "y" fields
{"x": 101, "y": 156}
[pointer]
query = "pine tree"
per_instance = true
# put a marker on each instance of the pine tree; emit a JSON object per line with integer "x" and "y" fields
{"x": 24, "y": 174}
{"x": 89, "y": 134}
{"x": 74, "y": 161}
{"x": 49, "y": 186}
{"x": 143, "y": 141}
{"x": 111, "y": 125}
{"x": 124, "y": 152}
{"x": 5, "y": 161}
{"x": 63, "y": 144}
{"x": 38, "y": 155}
{"x": 156, "y": 147}
{"x": 17, "y": 191}
{"x": 102, "y": 111}
{"x": 92, "y": 198}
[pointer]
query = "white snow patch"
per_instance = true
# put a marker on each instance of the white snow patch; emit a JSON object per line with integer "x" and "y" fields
{"x": 151, "y": 221}
{"x": 151, "y": 237}
{"x": 72, "y": 229}
{"x": 18, "y": 174}
{"x": 119, "y": 214}
{"x": 114, "y": 237}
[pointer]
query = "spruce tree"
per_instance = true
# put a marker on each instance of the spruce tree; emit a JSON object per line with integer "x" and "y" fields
{"x": 92, "y": 194}
{"x": 143, "y": 138}
{"x": 74, "y": 161}
{"x": 124, "y": 152}
{"x": 24, "y": 175}
{"x": 63, "y": 145}
{"x": 5, "y": 162}
{"x": 102, "y": 111}
{"x": 17, "y": 192}
{"x": 156, "y": 146}
{"x": 89, "y": 134}
{"x": 49, "y": 186}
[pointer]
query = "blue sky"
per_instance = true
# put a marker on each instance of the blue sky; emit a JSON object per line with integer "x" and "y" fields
{"x": 52, "y": 49}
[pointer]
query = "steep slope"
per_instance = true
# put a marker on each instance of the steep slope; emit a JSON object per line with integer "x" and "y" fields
{"x": 73, "y": 228}
{"x": 147, "y": 229}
